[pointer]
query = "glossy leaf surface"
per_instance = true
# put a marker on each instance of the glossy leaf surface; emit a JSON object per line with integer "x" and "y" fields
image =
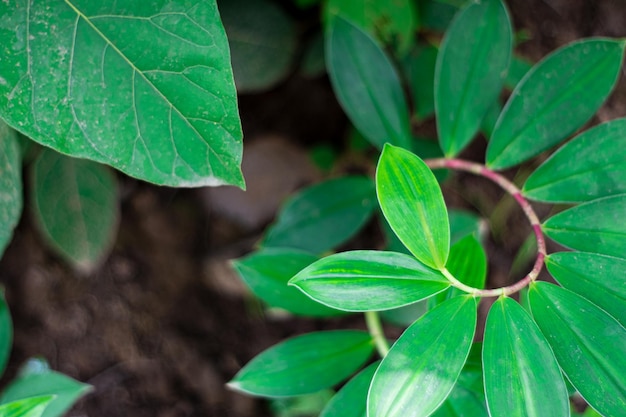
{"x": 599, "y": 171}
{"x": 589, "y": 345}
{"x": 10, "y": 184}
{"x": 423, "y": 365}
{"x": 522, "y": 377}
{"x": 554, "y": 99}
{"x": 75, "y": 203}
{"x": 366, "y": 84}
{"x": 369, "y": 280}
{"x": 351, "y": 400}
{"x": 597, "y": 226}
{"x": 324, "y": 215}
{"x": 470, "y": 71}
{"x": 305, "y": 364}
{"x": 412, "y": 202}
{"x": 6, "y": 333}
{"x": 27, "y": 407}
{"x": 76, "y": 76}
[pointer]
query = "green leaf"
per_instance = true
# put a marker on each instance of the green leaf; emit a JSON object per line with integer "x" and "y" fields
{"x": 324, "y": 215}
{"x": 419, "y": 65}
{"x": 10, "y": 184}
{"x": 598, "y": 278}
{"x": 554, "y": 99}
{"x": 6, "y": 332}
{"x": 309, "y": 405}
{"x": 517, "y": 70}
{"x": 413, "y": 204}
{"x": 599, "y": 171}
{"x": 522, "y": 377}
{"x": 351, "y": 400}
{"x": 597, "y": 226}
{"x": 28, "y": 407}
{"x": 75, "y": 204}
{"x": 463, "y": 223}
{"x": 438, "y": 14}
{"x": 88, "y": 79}
{"x": 262, "y": 39}
{"x": 267, "y": 272}
{"x": 369, "y": 280}
{"x": 366, "y": 85}
{"x": 589, "y": 345}
{"x": 305, "y": 364}
{"x": 423, "y": 365}
{"x": 470, "y": 71}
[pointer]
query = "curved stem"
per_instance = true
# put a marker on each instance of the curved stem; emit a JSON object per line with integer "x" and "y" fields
{"x": 375, "y": 328}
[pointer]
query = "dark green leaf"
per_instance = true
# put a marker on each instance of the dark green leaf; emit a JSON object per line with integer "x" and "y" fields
{"x": 589, "y": 345}
{"x": 369, "y": 280}
{"x": 10, "y": 184}
{"x": 437, "y": 14}
{"x": 309, "y": 405}
{"x": 323, "y": 216}
{"x": 6, "y": 332}
{"x": 305, "y": 364}
{"x": 412, "y": 203}
{"x": 28, "y": 407}
{"x": 522, "y": 377}
{"x": 470, "y": 71}
{"x": 517, "y": 70}
{"x": 554, "y": 99}
{"x": 313, "y": 62}
{"x": 420, "y": 67}
{"x": 462, "y": 223}
{"x": 366, "y": 85}
{"x": 351, "y": 400}
{"x": 423, "y": 365}
{"x": 89, "y": 79}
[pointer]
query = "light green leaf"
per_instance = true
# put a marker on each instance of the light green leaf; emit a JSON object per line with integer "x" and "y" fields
{"x": 599, "y": 171}
{"x": 351, "y": 400}
{"x": 6, "y": 332}
{"x": 597, "y": 226}
{"x": 88, "y": 79}
{"x": 75, "y": 204}
{"x": 10, "y": 184}
{"x": 522, "y": 377}
{"x": 27, "y": 407}
{"x": 554, "y": 99}
{"x": 598, "y": 278}
{"x": 366, "y": 85}
{"x": 369, "y": 280}
{"x": 423, "y": 365}
{"x": 470, "y": 71}
{"x": 589, "y": 345}
{"x": 305, "y": 364}
{"x": 419, "y": 65}
{"x": 413, "y": 204}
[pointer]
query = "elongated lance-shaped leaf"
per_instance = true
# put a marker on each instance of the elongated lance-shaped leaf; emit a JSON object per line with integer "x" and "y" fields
{"x": 598, "y": 278}
{"x": 305, "y": 364}
{"x": 470, "y": 71}
{"x": 366, "y": 84}
{"x": 589, "y": 345}
{"x": 554, "y": 99}
{"x": 522, "y": 377}
{"x": 10, "y": 184}
{"x": 27, "y": 407}
{"x": 369, "y": 280}
{"x": 412, "y": 202}
{"x": 423, "y": 365}
{"x": 599, "y": 171}
{"x": 88, "y": 79}
{"x": 597, "y": 226}
{"x": 351, "y": 399}
{"x": 6, "y": 332}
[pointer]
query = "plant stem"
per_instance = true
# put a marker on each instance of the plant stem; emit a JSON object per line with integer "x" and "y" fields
{"x": 375, "y": 327}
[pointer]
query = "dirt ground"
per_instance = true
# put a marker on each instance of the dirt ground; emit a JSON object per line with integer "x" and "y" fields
{"x": 162, "y": 325}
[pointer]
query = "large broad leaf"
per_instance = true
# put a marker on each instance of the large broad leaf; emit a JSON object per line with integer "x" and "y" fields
{"x": 75, "y": 203}
{"x": 6, "y": 332}
{"x": 369, "y": 280}
{"x": 597, "y": 226}
{"x": 470, "y": 71}
{"x": 305, "y": 364}
{"x": 423, "y": 365}
{"x": 324, "y": 215}
{"x": 522, "y": 377}
{"x": 599, "y": 171}
{"x": 413, "y": 205}
{"x": 267, "y": 272}
{"x": 366, "y": 84}
{"x": 88, "y": 79}
{"x": 589, "y": 345}
{"x": 554, "y": 99}
{"x": 598, "y": 278}
{"x": 351, "y": 400}
{"x": 28, "y": 407}
{"x": 10, "y": 184}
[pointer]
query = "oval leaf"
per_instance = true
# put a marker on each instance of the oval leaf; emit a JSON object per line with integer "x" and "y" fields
{"x": 589, "y": 345}
{"x": 470, "y": 71}
{"x": 28, "y": 407}
{"x": 10, "y": 184}
{"x": 423, "y": 365}
{"x": 351, "y": 400}
{"x": 75, "y": 204}
{"x": 597, "y": 226}
{"x": 77, "y": 77}
{"x": 305, "y": 364}
{"x": 554, "y": 99}
{"x": 366, "y": 85}
{"x": 369, "y": 280}
{"x": 412, "y": 202}
{"x": 6, "y": 333}
{"x": 522, "y": 377}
